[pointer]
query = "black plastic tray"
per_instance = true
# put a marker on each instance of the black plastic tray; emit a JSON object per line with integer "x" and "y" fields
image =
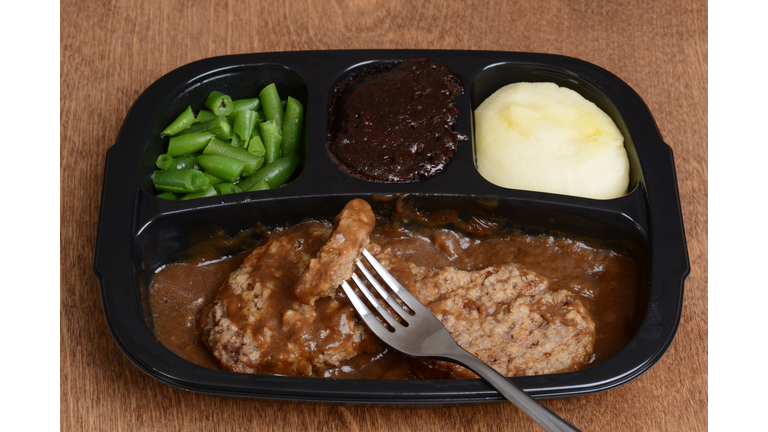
{"x": 138, "y": 233}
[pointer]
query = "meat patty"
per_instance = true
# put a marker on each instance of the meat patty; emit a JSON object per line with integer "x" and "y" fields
{"x": 258, "y": 323}
{"x": 335, "y": 261}
{"x": 508, "y": 318}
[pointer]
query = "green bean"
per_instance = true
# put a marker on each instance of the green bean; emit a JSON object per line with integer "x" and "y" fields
{"x": 244, "y": 104}
{"x": 168, "y": 195}
{"x": 270, "y": 102}
{"x": 212, "y": 178}
{"x": 181, "y": 181}
{"x": 225, "y": 135}
{"x": 262, "y": 185}
{"x": 185, "y": 162}
{"x": 219, "y": 126}
{"x": 164, "y": 161}
{"x": 272, "y": 137}
{"x": 260, "y": 116}
{"x": 188, "y": 143}
{"x": 219, "y": 103}
{"x": 184, "y": 120}
{"x": 236, "y": 141}
{"x": 205, "y": 115}
{"x": 222, "y": 167}
{"x": 292, "y": 125}
{"x": 209, "y": 191}
{"x": 252, "y": 104}
{"x": 252, "y": 161}
{"x": 256, "y": 146}
{"x": 275, "y": 173}
{"x": 245, "y": 122}
{"x": 227, "y": 188}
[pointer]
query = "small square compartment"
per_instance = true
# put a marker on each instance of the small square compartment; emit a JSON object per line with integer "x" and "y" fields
{"x": 240, "y": 82}
{"x": 497, "y": 76}
{"x": 372, "y": 68}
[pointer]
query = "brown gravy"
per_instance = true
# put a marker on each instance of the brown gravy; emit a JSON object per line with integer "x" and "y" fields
{"x": 393, "y": 124}
{"x": 605, "y": 280}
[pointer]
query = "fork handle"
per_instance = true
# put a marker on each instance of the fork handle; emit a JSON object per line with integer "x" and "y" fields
{"x": 535, "y": 409}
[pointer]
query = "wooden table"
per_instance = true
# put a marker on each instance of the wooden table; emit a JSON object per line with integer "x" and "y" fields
{"x": 111, "y": 52}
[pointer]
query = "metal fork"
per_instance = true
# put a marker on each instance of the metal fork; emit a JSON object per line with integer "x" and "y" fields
{"x": 425, "y": 336}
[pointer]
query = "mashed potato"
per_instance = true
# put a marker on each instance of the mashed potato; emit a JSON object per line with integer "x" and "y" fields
{"x": 541, "y": 137}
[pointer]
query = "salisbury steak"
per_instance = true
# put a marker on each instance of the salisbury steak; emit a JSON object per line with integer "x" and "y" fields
{"x": 257, "y": 323}
{"x": 334, "y": 262}
{"x": 508, "y": 318}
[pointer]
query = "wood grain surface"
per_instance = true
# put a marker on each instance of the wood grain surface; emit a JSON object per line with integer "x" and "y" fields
{"x": 112, "y": 50}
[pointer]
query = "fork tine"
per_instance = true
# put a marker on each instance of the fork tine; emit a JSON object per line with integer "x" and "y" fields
{"x": 403, "y": 293}
{"x": 397, "y": 307}
{"x": 363, "y": 311}
{"x": 375, "y": 302}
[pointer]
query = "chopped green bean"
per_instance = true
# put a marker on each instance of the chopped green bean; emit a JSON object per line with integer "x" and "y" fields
{"x": 252, "y": 161}
{"x": 244, "y": 104}
{"x": 272, "y": 138}
{"x": 270, "y": 102}
{"x": 256, "y": 146}
{"x": 205, "y": 115}
{"x": 184, "y": 120}
{"x": 260, "y": 116}
{"x": 252, "y": 104}
{"x": 262, "y": 185}
{"x": 245, "y": 122}
{"x": 219, "y": 126}
{"x": 184, "y": 162}
{"x": 292, "y": 125}
{"x": 188, "y": 143}
{"x": 164, "y": 161}
{"x": 219, "y": 103}
{"x": 227, "y": 188}
{"x": 222, "y": 167}
{"x": 275, "y": 173}
{"x": 181, "y": 181}
{"x": 212, "y": 178}
{"x": 209, "y": 191}
{"x": 168, "y": 195}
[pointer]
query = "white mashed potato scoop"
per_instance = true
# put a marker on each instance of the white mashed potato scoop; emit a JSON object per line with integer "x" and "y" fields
{"x": 545, "y": 138}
